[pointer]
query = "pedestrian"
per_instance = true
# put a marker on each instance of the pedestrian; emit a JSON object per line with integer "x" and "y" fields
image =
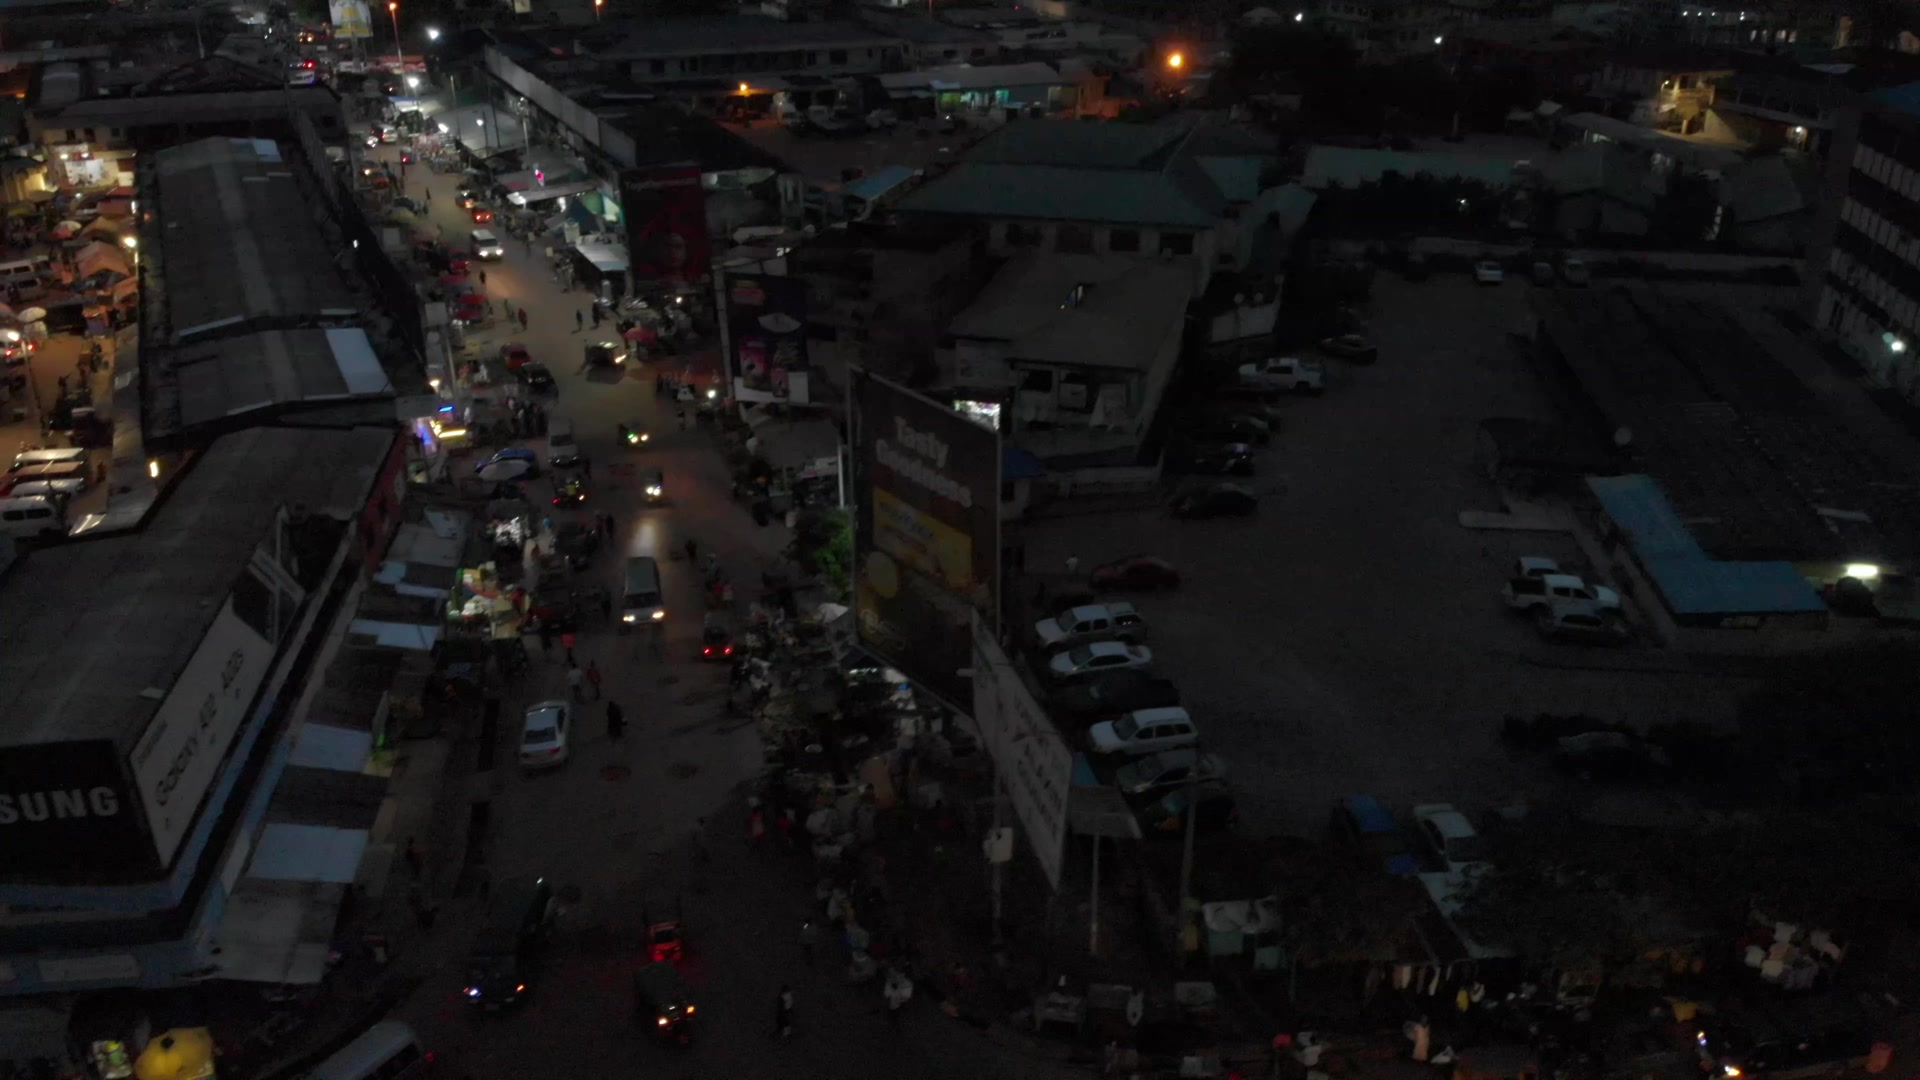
{"x": 1073, "y": 565}
{"x": 586, "y": 467}
{"x": 593, "y": 678}
{"x": 713, "y": 563}
{"x": 579, "y": 322}
{"x": 786, "y": 824}
{"x": 616, "y": 721}
{"x": 809, "y": 936}
{"x": 756, "y": 822}
{"x": 693, "y": 550}
{"x": 429, "y": 193}
{"x": 576, "y": 681}
{"x": 567, "y": 642}
{"x": 606, "y": 525}
{"x": 546, "y": 640}
{"x": 483, "y": 279}
{"x": 660, "y": 383}
{"x": 523, "y": 319}
{"x": 783, "y": 1012}
{"x": 416, "y": 859}
{"x": 683, "y": 420}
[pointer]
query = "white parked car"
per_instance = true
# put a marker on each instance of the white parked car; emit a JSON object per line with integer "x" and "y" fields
{"x": 1539, "y": 582}
{"x": 1575, "y": 271}
{"x": 1144, "y": 731}
{"x": 1488, "y": 272}
{"x": 1119, "y": 621}
{"x": 1285, "y": 373}
{"x": 562, "y": 448}
{"x": 1450, "y": 835}
{"x": 1095, "y": 657}
{"x": 543, "y": 738}
{"x": 1582, "y": 622}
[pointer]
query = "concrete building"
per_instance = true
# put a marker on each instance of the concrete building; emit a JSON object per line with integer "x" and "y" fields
{"x": 1033, "y": 88}
{"x": 148, "y": 683}
{"x": 1865, "y": 260}
{"x": 733, "y": 48}
{"x": 1660, "y": 87}
{"x": 1072, "y": 352}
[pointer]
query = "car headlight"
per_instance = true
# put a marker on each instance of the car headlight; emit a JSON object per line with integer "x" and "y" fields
{"x": 658, "y": 615}
{"x": 473, "y": 991}
{"x": 653, "y": 490}
{"x": 628, "y": 618}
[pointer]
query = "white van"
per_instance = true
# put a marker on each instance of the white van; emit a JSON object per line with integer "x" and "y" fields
{"x": 389, "y": 1050}
{"x": 641, "y": 604}
{"x": 43, "y": 457}
{"x": 56, "y": 489}
{"x": 486, "y": 245}
{"x": 31, "y": 517}
{"x": 49, "y": 470}
{"x": 34, "y": 268}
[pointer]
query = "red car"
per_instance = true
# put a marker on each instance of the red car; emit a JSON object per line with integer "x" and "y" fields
{"x": 515, "y": 355}
{"x": 457, "y": 262}
{"x": 482, "y": 215}
{"x": 1136, "y": 572}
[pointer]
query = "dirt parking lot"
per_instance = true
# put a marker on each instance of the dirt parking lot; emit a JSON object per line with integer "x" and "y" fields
{"x": 1350, "y": 637}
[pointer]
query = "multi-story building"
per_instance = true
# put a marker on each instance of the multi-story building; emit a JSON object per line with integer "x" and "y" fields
{"x": 1665, "y": 87}
{"x": 1864, "y": 284}
{"x": 665, "y": 51}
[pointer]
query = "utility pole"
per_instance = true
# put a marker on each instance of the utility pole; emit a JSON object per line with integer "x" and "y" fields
{"x": 1186, "y": 863}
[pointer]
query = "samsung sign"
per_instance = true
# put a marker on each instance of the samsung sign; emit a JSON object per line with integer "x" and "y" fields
{"x": 179, "y": 754}
{"x": 60, "y": 798}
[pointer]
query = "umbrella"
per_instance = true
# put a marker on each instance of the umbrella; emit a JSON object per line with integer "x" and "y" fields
{"x": 65, "y": 229}
{"x": 500, "y": 470}
{"x": 642, "y": 333}
{"x": 32, "y": 314}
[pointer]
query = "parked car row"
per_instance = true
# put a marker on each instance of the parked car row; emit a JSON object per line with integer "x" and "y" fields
{"x": 1443, "y": 838}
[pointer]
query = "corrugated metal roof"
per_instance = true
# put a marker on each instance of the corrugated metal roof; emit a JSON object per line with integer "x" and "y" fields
{"x": 1083, "y": 310}
{"x": 1352, "y": 166}
{"x": 1051, "y": 193}
{"x": 1689, "y": 580}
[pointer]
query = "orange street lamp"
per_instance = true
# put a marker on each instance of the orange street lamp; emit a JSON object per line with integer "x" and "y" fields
{"x": 744, "y": 88}
{"x": 399, "y": 61}
{"x": 1176, "y": 61}
{"x": 597, "y": 5}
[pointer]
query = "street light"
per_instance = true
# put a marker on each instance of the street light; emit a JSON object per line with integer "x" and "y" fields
{"x": 597, "y": 5}
{"x": 1299, "y": 16}
{"x": 393, "y": 12}
{"x": 433, "y": 33}
{"x": 413, "y": 82}
{"x": 1176, "y": 61}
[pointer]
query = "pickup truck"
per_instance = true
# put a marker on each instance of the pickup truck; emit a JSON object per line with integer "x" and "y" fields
{"x": 1547, "y": 590}
{"x": 1117, "y": 620}
{"x": 1285, "y": 373}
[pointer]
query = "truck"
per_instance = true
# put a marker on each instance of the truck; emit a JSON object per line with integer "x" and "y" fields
{"x": 1539, "y": 582}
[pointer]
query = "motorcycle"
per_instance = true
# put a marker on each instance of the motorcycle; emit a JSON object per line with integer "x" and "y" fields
{"x": 631, "y": 436}
{"x": 570, "y": 492}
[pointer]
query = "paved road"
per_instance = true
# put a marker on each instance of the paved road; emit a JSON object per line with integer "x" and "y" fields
{"x": 619, "y": 820}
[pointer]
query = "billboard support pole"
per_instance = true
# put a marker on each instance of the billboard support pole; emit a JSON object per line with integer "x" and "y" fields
{"x": 1093, "y": 918}
{"x": 1186, "y": 872}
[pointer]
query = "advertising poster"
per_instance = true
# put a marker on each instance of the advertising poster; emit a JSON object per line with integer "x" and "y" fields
{"x": 667, "y": 242}
{"x": 351, "y": 18}
{"x": 767, "y": 331}
{"x": 926, "y": 533}
{"x": 57, "y": 799}
{"x": 1032, "y": 757}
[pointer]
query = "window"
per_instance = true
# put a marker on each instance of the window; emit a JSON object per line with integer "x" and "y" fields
{"x": 657, "y": 67}
{"x": 1075, "y": 239}
{"x": 1176, "y": 243}
{"x": 836, "y": 56}
{"x": 1123, "y": 239}
{"x": 1040, "y": 381}
{"x": 1023, "y": 235}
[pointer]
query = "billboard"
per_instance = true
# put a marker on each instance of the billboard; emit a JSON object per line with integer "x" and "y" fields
{"x": 926, "y": 533}
{"x": 179, "y": 754}
{"x": 767, "y": 337}
{"x": 59, "y": 799}
{"x": 1030, "y": 756}
{"x": 666, "y": 214}
{"x": 351, "y": 18}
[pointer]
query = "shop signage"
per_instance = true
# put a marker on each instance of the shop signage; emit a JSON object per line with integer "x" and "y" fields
{"x": 666, "y": 213}
{"x": 926, "y": 533}
{"x": 1030, "y": 756}
{"x": 766, "y": 321}
{"x": 351, "y": 18}
{"x": 60, "y": 798}
{"x": 180, "y": 753}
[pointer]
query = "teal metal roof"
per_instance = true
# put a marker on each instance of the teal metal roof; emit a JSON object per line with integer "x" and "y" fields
{"x": 1053, "y": 193}
{"x": 1080, "y": 145}
{"x": 1690, "y": 581}
{"x": 1237, "y": 178}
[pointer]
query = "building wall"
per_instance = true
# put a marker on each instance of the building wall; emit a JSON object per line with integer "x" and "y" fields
{"x": 1202, "y": 246}
{"x": 1869, "y": 249}
{"x": 861, "y": 59}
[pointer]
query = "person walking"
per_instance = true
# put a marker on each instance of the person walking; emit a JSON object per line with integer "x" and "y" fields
{"x": 809, "y": 937}
{"x": 483, "y": 279}
{"x": 523, "y": 320}
{"x": 567, "y": 642}
{"x": 1073, "y": 564}
{"x": 593, "y": 678}
{"x": 586, "y": 467}
{"x": 576, "y": 682}
{"x": 783, "y": 1012}
{"x": 616, "y": 721}
{"x": 693, "y": 551}
{"x": 546, "y": 641}
{"x": 579, "y": 322}
{"x": 416, "y": 859}
{"x": 606, "y": 525}
{"x": 428, "y": 189}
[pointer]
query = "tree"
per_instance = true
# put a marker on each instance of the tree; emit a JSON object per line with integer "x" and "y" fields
{"x": 824, "y": 544}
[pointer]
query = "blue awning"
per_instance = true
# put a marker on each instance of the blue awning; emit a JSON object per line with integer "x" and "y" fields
{"x": 1017, "y": 464}
{"x": 1691, "y": 581}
